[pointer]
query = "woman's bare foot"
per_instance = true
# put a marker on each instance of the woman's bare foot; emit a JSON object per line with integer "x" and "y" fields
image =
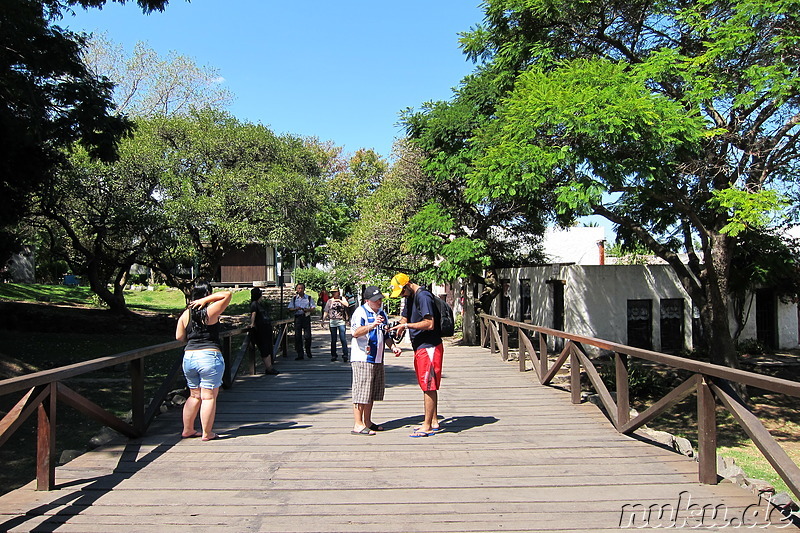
{"x": 191, "y": 435}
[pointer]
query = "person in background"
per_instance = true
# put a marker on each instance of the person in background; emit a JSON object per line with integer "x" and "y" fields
{"x": 352, "y": 300}
{"x": 421, "y": 317}
{"x": 302, "y": 306}
{"x": 322, "y": 299}
{"x": 335, "y": 312}
{"x": 203, "y": 364}
{"x": 368, "y": 326}
{"x": 261, "y": 329}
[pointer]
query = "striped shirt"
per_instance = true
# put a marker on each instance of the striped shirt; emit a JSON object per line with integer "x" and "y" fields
{"x": 369, "y": 347}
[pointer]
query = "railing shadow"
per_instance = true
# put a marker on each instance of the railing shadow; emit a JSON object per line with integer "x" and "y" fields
{"x": 712, "y": 385}
{"x": 75, "y": 502}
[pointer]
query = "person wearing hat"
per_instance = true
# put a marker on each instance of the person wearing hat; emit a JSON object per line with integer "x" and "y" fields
{"x": 335, "y": 312}
{"x": 261, "y": 329}
{"x": 421, "y": 317}
{"x": 370, "y": 339}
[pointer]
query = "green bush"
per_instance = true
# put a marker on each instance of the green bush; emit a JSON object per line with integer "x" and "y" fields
{"x": 751, "y": 347}
{"x": 643, "y": 380}
{"x": 313, "y": 278}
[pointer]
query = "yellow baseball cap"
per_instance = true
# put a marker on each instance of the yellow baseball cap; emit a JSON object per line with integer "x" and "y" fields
{"x": 398, "y": 282}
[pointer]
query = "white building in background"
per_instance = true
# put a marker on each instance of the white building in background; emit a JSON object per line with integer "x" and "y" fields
{"x": 638, "y": 305}
{"x": 641, "y": 305}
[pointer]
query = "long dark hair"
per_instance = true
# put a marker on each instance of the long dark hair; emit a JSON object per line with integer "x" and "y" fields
{"x": 255, "y": 294}
{"x": 201, "y": 289}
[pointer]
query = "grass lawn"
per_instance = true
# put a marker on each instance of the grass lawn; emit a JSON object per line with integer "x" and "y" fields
{"x": 159, "y": 300}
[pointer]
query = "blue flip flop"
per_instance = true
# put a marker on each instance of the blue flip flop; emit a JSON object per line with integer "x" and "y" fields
{"x": 418, "y": 434}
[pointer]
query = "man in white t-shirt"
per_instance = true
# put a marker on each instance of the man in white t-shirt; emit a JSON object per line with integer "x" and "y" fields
{"x": 368, "y": 325}
{"x": 302, "y": 305}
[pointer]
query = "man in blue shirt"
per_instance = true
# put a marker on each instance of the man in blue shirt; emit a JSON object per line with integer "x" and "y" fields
{"x": 421, "y": 317}
{"x": 368, "y": 327}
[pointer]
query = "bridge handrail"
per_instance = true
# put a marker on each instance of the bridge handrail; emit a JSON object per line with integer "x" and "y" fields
{"x": 45, "y": 387}
{"x": 711, "y": 382}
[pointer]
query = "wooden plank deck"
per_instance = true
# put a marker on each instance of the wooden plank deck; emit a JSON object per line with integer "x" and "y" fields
{"x": 514, "y": 456}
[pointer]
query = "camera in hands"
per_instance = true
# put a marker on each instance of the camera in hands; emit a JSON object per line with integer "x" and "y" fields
{"x": 395, "y": 335}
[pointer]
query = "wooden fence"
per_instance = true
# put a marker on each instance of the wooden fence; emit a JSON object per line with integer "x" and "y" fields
{"x": 710, "y": 382}
{"x": 44, "y": 389}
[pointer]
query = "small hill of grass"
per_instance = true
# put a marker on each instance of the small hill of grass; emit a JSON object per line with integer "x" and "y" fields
{"x": 160, "y": 299}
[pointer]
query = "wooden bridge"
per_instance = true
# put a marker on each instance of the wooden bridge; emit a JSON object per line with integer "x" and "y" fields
{"x": 514, "y": 456}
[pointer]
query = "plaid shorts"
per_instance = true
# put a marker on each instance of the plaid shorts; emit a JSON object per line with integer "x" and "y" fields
{"x": 369, "y": 382}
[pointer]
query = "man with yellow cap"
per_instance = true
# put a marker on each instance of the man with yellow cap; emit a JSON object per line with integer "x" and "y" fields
{"x": 421, "y": 317}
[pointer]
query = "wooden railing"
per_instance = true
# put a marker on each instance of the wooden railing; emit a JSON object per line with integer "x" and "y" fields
{"x": 710, "y": 382}
{"x": 44, "y": 389}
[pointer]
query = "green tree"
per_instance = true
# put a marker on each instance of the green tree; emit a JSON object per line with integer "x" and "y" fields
{"x": 48, "y": 101}
{"x": 346, "y": 181}
{"x": 101, "y": 217}
{"x": 458, "y": 236}
{"x": 375, "y": 241}
{"x": 227, "y": 184}
{"x": 676, "y": 121}
{"x": 185, "y": 190}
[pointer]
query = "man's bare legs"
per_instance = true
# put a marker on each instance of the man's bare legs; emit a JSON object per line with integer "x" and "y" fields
{"x": 431, "y": 411}
{"x": 362, "y": 417}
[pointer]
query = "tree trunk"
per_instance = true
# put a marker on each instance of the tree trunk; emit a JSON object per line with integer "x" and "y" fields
{"x": 491, "y": 288}
{"x": 473, "y": 308}
{"x": 116, "y": 302}
{"x": 722, "y": 349}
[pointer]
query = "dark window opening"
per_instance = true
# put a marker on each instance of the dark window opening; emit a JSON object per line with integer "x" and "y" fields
{"x": 505, "y": 298}
{"x": 767, "y": 317}
{"x": 672, "y": 325}
{"x": 640, "y": 324}
{"x": 525, "y": 300}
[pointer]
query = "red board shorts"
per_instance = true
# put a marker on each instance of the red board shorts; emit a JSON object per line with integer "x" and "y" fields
{"x": 428, "y": 366}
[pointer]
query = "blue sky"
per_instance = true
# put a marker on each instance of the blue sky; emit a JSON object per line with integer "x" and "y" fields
{"x": 339, "y": 71}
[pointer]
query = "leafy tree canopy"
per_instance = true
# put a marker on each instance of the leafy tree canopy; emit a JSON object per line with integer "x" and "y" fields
{"x": 676, "y": 121}
{"x": 48, "y": 101}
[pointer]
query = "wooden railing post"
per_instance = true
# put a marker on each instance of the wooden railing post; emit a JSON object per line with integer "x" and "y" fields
{"x": 492, "y": 343}
{"x": 542, "y": 355}
{"x": 227, "y": 378}
{"x": 706, "y": 432}
{"x": 522, "y": 349}
{"x": 623, "y": 399}
{"x": 136, "y": 368}
{"x": 574, "y": 376}
{"x": 46, "y": 442}
{"x": 503, "y": 341}
{"x": 251, "y": 352}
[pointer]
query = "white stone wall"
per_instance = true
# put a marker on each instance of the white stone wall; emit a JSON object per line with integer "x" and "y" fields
{"x": 596, "y": 297}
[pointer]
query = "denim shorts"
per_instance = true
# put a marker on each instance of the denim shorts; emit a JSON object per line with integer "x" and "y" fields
{"x": 203, "y": 368}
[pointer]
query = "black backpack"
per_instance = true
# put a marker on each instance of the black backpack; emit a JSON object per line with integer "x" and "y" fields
{"x": 447, "y": 324}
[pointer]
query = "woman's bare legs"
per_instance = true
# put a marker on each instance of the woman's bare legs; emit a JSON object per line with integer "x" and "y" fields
{"x": 208, "y": 411}
{"x": 190, "y": 410}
